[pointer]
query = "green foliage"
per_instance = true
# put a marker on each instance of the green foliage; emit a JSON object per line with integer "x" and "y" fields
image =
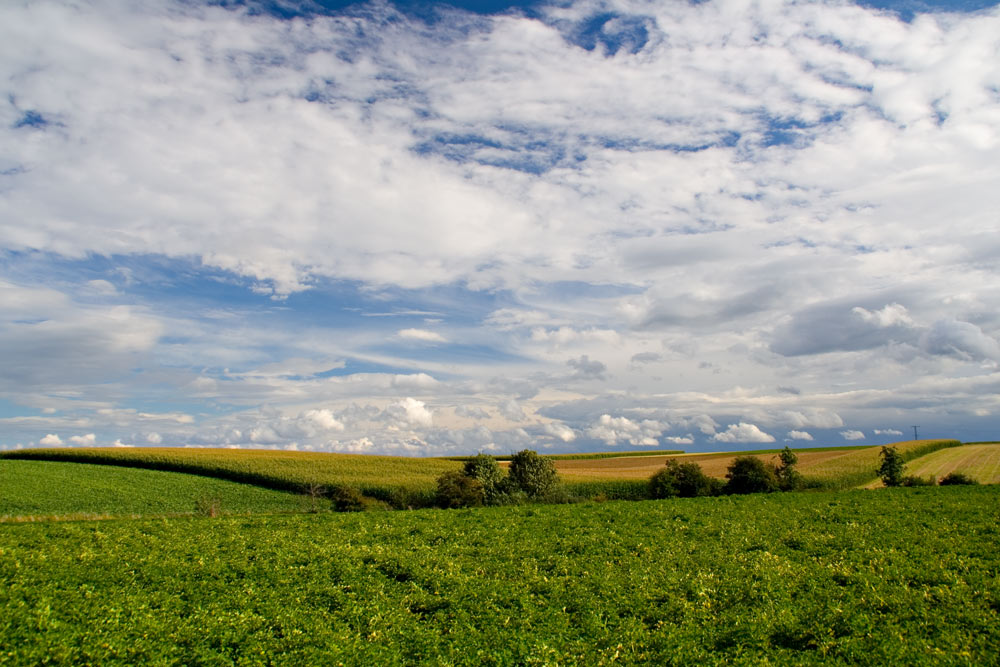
{"x": 916, "y": 480}
{"x": 891, "y": 467}
{"x": 789, "y": 479}
{"x": 957, "y": 478}
{"x": 749, "y": 474}
{"x": 347, "y": 499}
{"x": 48, "y": 489}
{"x": 457, "y": 489}
{"x": 686, "y": 480}
{"x": 532, "y": 474}
{"x": 783, "y": 579}
{"x": 485, "y": 470}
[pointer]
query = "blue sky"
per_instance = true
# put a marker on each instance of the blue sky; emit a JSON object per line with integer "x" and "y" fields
{"x": 433, "y": 228}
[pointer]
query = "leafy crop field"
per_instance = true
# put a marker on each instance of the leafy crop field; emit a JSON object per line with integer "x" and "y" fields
{"x": 981, "y": 462}
{"x": 898, "y": 576}
{"x": 35, "y": 490}
{"x": 378, "y": 476}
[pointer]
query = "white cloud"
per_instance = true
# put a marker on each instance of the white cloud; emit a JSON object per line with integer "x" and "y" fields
{"x": 887, "y": 431}
{"x": 154, "y": 438}
{"x": 800, "y": 435}
{"x": 743, "y": 432}
{"x": 614, "y": 430}
{"x": 852, "y": 434}
{"x": 83, "y": 440}
{"x": 680, "y": 440}
{"x": 51, "y": 440}
{"x": 560, "y": 431}
{"x": 511, "y": 411}
{"x": 411, "y": 412}
{"x": 422, "y": 335}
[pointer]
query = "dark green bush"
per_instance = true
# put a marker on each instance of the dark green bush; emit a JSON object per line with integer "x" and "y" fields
{"x": 914, "y": 480}
{"x": 686, "y": 480}
{"x": 789, "y": 479}
{"x": 954, "y": 478}
{"x": 485, "y": 470}
{"x": 456, "y": 489}
{"x": 532, "y": 474}
{"x": 749, "y": 474}
{"x": 347, "y": 499}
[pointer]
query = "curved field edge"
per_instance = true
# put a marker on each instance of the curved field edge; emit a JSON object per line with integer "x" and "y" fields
{"x": 47, "y": 490}
{"x": 979, "y": 461}
{"x": 901, "y": 576}
{"x": 398, "y": 480}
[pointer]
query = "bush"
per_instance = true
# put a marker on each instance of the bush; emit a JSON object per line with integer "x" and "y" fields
{"x": 891, "y": 468}
{"x": 914, "y": 480}
{"x": 749, "y": 474}
{"x": 532, "y": 474}
{"x": 485, "y": 470}
{"x": 347, "y": 499}
{"x": 789, "y": 478}
{"x": 456, "y": 489}
{"x": 686, "y": 480}
{"x": 954, "y": 478}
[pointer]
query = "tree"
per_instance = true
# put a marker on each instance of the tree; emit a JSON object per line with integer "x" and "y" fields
{"x": 456, "y": 489}
{"x": 788, "y": 477}
{"x": 891, "y": 468}
{"x": 686, "y": 480}
{"x": 749, "y": 474}
{"x": 484, "y": 469}
{"x": 532, "y": 474}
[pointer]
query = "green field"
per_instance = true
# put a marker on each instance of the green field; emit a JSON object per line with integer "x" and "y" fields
{"x": 44, "y": 489}
{"x": 898, "y": 576}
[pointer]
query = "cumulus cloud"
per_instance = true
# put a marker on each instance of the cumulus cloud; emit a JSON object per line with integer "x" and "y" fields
{"x": 852, "y": 434}
{"x": 586, "y": 368}
{"x": 511, "y": 410}
{"x": 680, "y": 439}
{"x": 887, "y": 431}
{"x": 614, "y": 430}
{"x": 87, "y": 440}
{"x": 560, "y": 431}
{"x": 472, "y": 412}
{"x": 410, "y": 412}
{"x": 51, "y": 440}
{"x": 743, "y": 432}
{"x": 800, "y": 435}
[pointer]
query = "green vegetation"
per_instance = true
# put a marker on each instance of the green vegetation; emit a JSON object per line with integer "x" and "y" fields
{"x": 684, "y": 480}
{"x": 859, "y": 467}
{"x": 979, "y": 461}
{"x": 398, "y": 481}
{"x": 45, "y": 489}
{"x": 482, "y": 481}
{"x": 580, "y": 456}
{"x": 890, "y": 470}
{"x": 900, "y": 577}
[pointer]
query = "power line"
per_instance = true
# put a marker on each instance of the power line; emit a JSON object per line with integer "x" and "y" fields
{"x": 915, "y": 436}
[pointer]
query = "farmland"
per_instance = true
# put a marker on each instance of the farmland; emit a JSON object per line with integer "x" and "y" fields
{"x": 44, "y": 489}
{"x": 900, "y": 576}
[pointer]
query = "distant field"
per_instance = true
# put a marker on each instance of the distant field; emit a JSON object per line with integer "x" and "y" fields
{"x": 383, "y": 477}
{"x": 898, "y": 577}
{"x": 981, "y": 462}
{"x": 845, "y": 467}
{"x": 46, "y": 489}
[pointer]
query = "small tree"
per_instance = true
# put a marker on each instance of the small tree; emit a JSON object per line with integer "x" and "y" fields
{"x": 532, "y": 474}
{"x": 956, "y": 478}
{"x": 686, "y": 480}
{"x": 484, "y": 469}
{"x": 749, "y": 474}
{"x": 456, "y": 489}
{"x": 788, "y": 477}
{"x": 891, "y": 468}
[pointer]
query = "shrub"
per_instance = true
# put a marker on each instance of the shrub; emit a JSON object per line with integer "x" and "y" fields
{"x": 686, "y": 480}
{"x": 789, "y": 478}
{"x": 914, "y": 480}
{"x": 891, "y": 468}
{"x": 532, "y": 474}
{"x": 208, "y": 506}
{"x": 749, "y": 474}
{"x": 456, "y": 489}
{"x": 347, "y": 499}
{"x": 953, "y": 478}
{"x": 485, "y": 470}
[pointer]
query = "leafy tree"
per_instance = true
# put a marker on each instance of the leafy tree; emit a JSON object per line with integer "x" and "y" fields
{"x": 456, "y": 489}
{"x": 532, "y": 474}
{"x": 749, "y": 474}
{"x": 891, "y": 468}
{"x": 347, "y": 499}
{"x": 788, "y": 477}
{"x": 484, "y": 469}
{"x": 686, "y": 480}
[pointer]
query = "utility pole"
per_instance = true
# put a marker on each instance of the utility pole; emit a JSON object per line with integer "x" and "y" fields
{"x": 915, "y": 437}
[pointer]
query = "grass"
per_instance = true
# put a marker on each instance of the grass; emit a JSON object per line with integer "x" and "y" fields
{"x": 897, "y": 576}
{"x": 398, "y": 480}
{"x": 860, "y": 468}
{"x": 981, "y": 462}
{"x": 39, "y": 490}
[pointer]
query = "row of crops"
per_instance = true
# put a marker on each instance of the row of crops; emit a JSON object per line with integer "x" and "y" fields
{"x": 900, "y": 576}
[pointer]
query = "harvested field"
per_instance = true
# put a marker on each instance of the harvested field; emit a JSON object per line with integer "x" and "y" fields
{"x": 981, "y": 462}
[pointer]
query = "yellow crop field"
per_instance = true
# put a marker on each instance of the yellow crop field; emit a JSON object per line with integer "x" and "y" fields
{"x": 981, "y": 462}
{"x": 373, "y": 475}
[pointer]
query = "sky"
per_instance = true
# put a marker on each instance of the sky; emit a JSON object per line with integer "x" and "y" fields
{"x": 429, "y": 229}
